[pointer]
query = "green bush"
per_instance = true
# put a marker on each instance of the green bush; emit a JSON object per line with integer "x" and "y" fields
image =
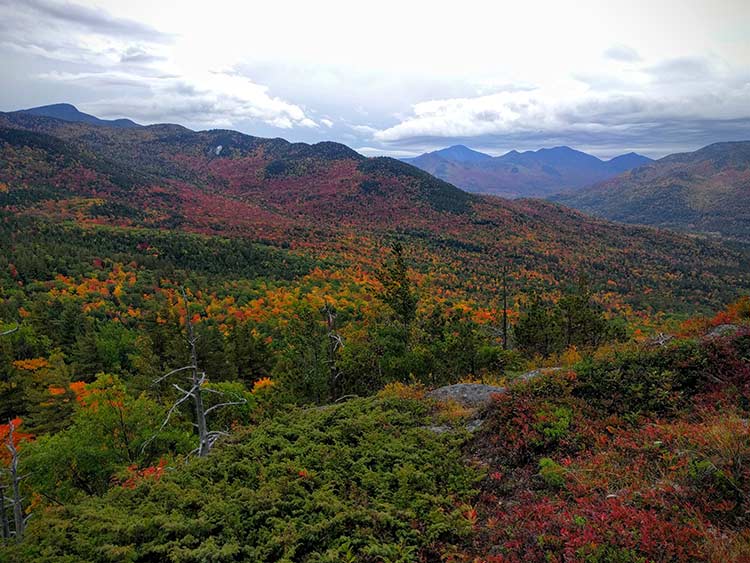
{"x": 361, "y": 481}
{"x": 552, "y": 473}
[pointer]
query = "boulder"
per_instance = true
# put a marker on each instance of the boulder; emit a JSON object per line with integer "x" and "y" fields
{"x": 723, "y": 330}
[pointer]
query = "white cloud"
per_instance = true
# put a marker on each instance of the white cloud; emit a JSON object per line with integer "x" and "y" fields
{"x": 622, "y": 53}
{"x": 508, "y": 75}
{"x": 376, "y": 151}
{"x": 212, "y": 99}
{"x": 132, "y": 67}
{"x": 576, "y": 107}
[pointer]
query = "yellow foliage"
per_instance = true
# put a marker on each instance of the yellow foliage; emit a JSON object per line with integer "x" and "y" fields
{"x": 570, "y": 356}
{"x": 451, "y": 411}
{"x": 398, "y": 390}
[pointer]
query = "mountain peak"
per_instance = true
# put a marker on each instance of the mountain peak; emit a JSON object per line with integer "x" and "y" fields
{"x": 461, "y": 153}
{"x": 628, "y": 161}
{"x": 532, "y": 173}
{"x": 68, "y": 112}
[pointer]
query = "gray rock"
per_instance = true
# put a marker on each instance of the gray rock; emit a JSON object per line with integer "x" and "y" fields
{"x": 471, "y": 426}
{"x": 474, "y": 424}
{"x": 723, "y": 330}
{"x": 442, "y": 429}
{"x": 467, "y": 394}
{"x": 536, "y": 373}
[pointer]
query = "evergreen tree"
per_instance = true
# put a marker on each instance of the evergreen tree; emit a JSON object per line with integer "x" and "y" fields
{"x": 398, "y": 292}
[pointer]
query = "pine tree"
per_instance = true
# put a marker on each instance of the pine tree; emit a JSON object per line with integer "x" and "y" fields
{"x": 398, "y": 292}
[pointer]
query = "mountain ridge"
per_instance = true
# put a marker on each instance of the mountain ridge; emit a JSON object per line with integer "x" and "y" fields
{"x": 328, "y": 200}
{"x": 68, "y": 112}
{"x": 537, "y": 173}
{"x": 705, "y": 191}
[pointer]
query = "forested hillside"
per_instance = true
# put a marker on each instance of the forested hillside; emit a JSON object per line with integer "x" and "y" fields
{"x": 706, "y": 191}
{"x": 327, "y": 201}
{"x": 217, "y": 347}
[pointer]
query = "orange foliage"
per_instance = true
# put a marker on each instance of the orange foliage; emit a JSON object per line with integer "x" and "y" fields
{"x": 18, "y": 437}
{"x": 263, "y": 383}
{"x": 32, "y": 364}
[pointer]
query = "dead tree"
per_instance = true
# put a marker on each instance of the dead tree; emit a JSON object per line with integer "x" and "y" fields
{"x": 9, "y": 331}
{"x": 335, "y": 342}
{"x": 501, "y": 332}
{"x": 505, "y": 306}
{"x": 195, "y": 392}
{"x": 4, "y": 524}
{"x": 15, "y": 501}
{"x": 3, "y": 516}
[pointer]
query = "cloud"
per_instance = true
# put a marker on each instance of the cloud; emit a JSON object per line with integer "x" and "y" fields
{"x": 683, "y": 69}
{"x": 375, "y": 151}
{"x": 72, "y": 33}
{"x": 137, "y": 54}
{"x": 364, "y": 129}
{"x": 130, "y": 69}
{"x": 575, "y": 114}
{"x": 90, "y": 20}
{"x": 211, "y": 99}
{"x": 622, "y": 53}
{"x": 327, "y": 122}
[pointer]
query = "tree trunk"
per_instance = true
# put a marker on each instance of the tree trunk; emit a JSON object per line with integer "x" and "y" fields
{"x": 15, "y": 484}
{"x": 200, "y": 412}
{"x": 505, "y": 308}
{"x": 3, "y": 516}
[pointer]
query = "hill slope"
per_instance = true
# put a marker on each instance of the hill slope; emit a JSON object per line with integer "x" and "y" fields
{"x": 705, "y": 191}
{"x": 398, "y": 477}
{"x": 328, "y": 201}
{"x": 528, "y": 174}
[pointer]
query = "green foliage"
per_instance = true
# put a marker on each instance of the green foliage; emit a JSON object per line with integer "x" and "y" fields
{"x": 398, "y": 292}
{"x": 109, "y": 431}
{"x": 643, "y": 380}
{"x": 575, "y": 320}
{"x": 554, "y": 423}
{"x": 552, "y": 473}
{"x": 361, "y": 481}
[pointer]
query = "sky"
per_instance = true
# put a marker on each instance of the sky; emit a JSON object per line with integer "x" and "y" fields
{"x": 396, "y": 77}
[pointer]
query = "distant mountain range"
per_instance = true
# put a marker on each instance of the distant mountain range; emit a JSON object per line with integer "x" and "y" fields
{"x": 327, "y": 200}
{"x": 68, "y": 112}
{"x": 523, "y": 174}
{"x": 706, "y": 191}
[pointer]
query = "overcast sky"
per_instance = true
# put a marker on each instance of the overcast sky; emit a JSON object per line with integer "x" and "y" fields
{"x": 396, "y": 78}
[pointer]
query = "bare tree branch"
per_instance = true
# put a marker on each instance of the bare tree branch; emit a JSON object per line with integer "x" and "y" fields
{"x": 9, "y": 331}
{"x": 227, "y": 404}
{"x": 166, "y": 375}
{"x": 15, "y": 484}
{"x": 196, "y": 380}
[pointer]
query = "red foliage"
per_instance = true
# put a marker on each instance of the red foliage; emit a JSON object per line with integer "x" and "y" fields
{"x": 18, "y": 437}
{"x": 136, "y": 476}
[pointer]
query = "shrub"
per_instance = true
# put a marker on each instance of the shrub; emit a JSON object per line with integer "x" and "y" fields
{"x": 553, "y": 474}
{"x": 360, "y": 481}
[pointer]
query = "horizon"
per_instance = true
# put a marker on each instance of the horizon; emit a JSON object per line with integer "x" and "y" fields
{"x": 605, "y": 81}
{"x": 493, "y": 154}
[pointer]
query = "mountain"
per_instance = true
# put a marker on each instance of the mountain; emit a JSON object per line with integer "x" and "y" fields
{"x": 527, "y": 174}
{"x": 628, "y": 161}
{"x": 68, "y": 112}
{"x": 331, "y": 203}
{"x": 706, "y": 191}
{"x": 460, "y": 153}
